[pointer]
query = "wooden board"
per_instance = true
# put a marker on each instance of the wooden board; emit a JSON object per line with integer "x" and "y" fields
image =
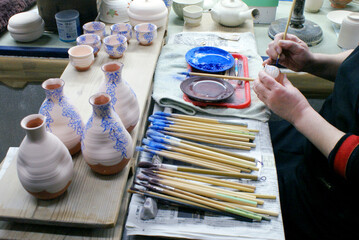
{"x": 92, "y": 200}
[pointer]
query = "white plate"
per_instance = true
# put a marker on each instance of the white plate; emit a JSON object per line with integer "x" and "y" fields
{"x": 337, "y": 16}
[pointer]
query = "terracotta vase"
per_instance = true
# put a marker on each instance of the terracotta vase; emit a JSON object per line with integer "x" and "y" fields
{"x": 339, "y": 3}
{"x": 106, "y": 145}
{"x": 123, "y": 98}
{"x": 44, "y": 165}
{"x": 62, "y": 118}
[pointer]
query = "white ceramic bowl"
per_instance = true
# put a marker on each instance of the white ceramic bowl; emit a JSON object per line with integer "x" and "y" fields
{"x": 178, "y": 5}
{"x": 122, "y": 29}
{"x": 337, "y": 16}
{"x": 90, "y": 39}
{"x": 145, "y": 33}
{"x": 145, "y": 11}
{"x": 81, "y": 57}
{"x": 95, "y": 27}
{"x": 192, "y": 11}
{"x": 115, "y": 45}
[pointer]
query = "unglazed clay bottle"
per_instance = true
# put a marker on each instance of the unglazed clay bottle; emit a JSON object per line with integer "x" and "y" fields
{"x": 123, "y": 98}
{"x": 106, "y": 145}
{"x": 62, "y": 118}
{"x": 44, "y": 165}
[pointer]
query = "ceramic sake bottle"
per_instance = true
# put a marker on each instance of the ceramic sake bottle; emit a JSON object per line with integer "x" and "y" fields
{"x": 123, "y": 98}
{"x": 44, "y": 165}
{"x": 62, "y": 118}
{"x": 106, "y": 145}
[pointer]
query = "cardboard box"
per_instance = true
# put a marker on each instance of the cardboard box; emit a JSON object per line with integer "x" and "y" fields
{"x": 267, "y": 9}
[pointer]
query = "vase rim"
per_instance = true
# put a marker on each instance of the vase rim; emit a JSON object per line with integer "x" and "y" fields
{"x": 32, "y": 117}
{"x": 52, "y": 81}
{"x": 93, "y": 98}
{"x": 119, "y": 65}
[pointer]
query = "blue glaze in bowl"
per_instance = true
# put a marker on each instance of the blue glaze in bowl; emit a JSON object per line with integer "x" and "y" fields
{"x": 209, "y": 59}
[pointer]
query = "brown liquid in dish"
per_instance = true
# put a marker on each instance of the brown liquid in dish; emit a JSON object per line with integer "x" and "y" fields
{"x": 111, "y": 67}
{"x": 34, "y": 123}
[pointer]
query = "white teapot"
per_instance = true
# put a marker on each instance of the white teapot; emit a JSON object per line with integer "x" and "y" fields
{"x": 232, "y": 13}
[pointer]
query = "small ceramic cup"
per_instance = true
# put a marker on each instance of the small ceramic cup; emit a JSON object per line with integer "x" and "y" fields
{"x": 145, "y": 33}
{"x": 81, "y": 57}
{"x": 192, "y": 15}
{"x": 115, "y": 45}
{"x": 90, "y": 39}
{"x": 95, "y": 27}
{"x": 122, "y": 29}
{"x": 349, "y": 31}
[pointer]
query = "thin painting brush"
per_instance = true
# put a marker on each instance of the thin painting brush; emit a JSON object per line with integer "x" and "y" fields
{"x": 166, "y": 199}
{"x": 216, "y": 76}
{"x": 197, "y": 170}
{"x": 200, "y": 119}
{"x": 193, "y": 160}
{"x": 286, "y": 27}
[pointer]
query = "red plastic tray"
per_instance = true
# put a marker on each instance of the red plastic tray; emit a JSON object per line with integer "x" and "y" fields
{"x": 242, "y": 92}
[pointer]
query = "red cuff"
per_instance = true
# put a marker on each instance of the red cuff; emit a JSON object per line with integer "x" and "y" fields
{"x": 343, "y": 154}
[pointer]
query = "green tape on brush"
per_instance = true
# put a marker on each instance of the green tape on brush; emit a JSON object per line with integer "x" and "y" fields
{"x": 244, "y": 213}
{"x": 262, "y": 3}
{"x": 238, "y": 199}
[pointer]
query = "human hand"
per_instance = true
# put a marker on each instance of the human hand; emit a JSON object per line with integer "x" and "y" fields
{"x": 281, "y": 97}
{"x": 294, "y": 53}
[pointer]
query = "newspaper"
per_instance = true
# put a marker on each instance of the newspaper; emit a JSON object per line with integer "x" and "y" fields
{"x": 178, "y": 222}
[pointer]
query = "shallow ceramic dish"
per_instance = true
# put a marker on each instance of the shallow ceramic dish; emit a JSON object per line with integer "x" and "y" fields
{"x": 207, "y": 89}
{"x": 209, "y": 59}
{"x": 337, "y": 16}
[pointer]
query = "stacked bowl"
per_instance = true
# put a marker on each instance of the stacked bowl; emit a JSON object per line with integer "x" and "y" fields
{"x": 26, "y": 26}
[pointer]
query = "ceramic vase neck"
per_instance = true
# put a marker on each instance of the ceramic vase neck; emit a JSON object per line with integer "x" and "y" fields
{"x": 53, "y": 89}
{"x": 102, "y": 111}
{"x": 34, "y": 126}
{"x": 113, "y": 72}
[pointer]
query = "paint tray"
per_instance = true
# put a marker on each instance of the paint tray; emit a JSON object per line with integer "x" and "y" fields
{"x": 241, "y": 97}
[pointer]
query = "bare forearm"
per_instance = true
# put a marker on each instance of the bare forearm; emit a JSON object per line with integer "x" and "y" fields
{"x": 325, "y": 65}
{"x": 322, "y": 134}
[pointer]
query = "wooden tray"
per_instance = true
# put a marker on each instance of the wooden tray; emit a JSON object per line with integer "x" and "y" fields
{"x": 92, "y": 200}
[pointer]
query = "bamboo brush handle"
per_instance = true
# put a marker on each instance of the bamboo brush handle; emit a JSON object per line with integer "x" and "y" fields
{"x": 221, "y": 76}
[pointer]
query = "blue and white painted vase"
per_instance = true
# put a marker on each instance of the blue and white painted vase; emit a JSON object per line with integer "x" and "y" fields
{"x": 106, "y": 145}
{"x": 62, "y": 118}
{"x": 123, "y": 98}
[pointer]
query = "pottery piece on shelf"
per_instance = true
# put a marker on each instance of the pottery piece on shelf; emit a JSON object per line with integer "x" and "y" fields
{"x": 81, "y": 57}
{"x": 114, "y": 11}
{"x": 313, "y": 6}
{"x": 44, "y": 165}
{"x": 145, "y": 33}
{"x": 106, "y": 145}
{"x": 95, "y": 27}
{"x": 178, "y": 6}
{"x": 232, "y": 13}
{"x": 122, "y": 29}
{"x": 148, "y": 11}
{"x": 123, "y": 98}
{"x": 192, "y": 15}
{"x": 26, "y": 26}
{"x": 349, "y": 31}
{"x": 62, "y": 118}
{"x": 339, "y": 3}
{"x": 115, "y": 45}
{"x": 90, "y": 39}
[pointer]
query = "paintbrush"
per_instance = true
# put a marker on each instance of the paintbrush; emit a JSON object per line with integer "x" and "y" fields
{"x": 216, "y": 76}
{"x": 166, "y": 134}
{"x": 197, "y": 170}
{"x": 286, "y": 27}
{"x": 205, "y": 201}
{"x": 169, "y": 200}
{"x": 160, "y": 147}
{"x": 193, "y": 160}
{"x": 159, "y": 143}
{"x": 200, "y": 119}
{"x": 209, "y": 125}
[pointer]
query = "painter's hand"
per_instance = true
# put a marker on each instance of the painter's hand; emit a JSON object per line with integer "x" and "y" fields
{"x": 294, "y": 53}
{"x": 283, "y": 99}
